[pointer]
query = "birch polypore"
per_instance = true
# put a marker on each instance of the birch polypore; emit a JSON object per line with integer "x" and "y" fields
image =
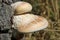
{"x": 21, "y": 7}
{"x": 29, "y": 23}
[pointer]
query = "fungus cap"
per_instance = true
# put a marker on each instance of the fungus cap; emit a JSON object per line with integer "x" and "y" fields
{"x": 21, "y": 7}
{"x": 29, "y": 23}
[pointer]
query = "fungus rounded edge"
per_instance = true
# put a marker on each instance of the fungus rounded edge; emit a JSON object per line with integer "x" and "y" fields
{"x": 29, "y": 23}
{"x": 21, "y": 7}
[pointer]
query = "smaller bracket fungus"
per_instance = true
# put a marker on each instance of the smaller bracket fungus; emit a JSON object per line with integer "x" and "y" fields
{"x": 21, "y": 7}
{"x": 29, "y": 23}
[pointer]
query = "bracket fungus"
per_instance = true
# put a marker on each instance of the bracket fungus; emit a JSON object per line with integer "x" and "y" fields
{"x": 27, "y": 22}
{"x": 21, "y": 7}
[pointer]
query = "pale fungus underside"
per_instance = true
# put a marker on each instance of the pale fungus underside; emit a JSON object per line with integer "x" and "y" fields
{"x": 29, "y": 23}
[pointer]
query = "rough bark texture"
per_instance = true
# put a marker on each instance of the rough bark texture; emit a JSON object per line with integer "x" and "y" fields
{"x": 5, "y": 36}
{"x": 6, "y": 14}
